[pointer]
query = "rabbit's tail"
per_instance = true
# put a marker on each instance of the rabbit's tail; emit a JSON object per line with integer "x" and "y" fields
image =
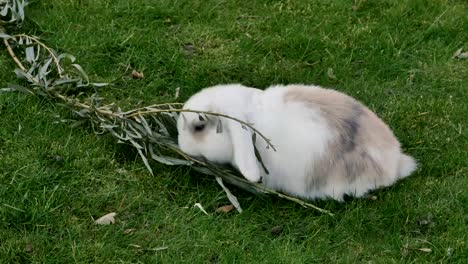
{"x": 406, "y": 166}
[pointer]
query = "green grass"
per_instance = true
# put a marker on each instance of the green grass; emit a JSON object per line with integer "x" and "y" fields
{"x": 395, "y": 56}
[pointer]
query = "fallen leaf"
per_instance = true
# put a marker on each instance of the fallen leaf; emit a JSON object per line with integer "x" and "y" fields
{"x": 459, "y": 54}
{"x": 28, "y": 248}
{"x": 225, "y": 209}
{"x": 426, "y": 220}
{"x": 140, "y": 248}
{"x": 199, "y": 206}
{"x": 405, "y": 251}
{"x": 463, "y": 55}
{"x": 449, "y": 252}
{"x": 134, "y": 245}
{"x": 331, "y": 74}
{"x": 276, "y": 230}
{"x": 231, "y": 197}
{"x": 189, "y": 49}
{"x": 423, "y": 222}
{"x": 128, "y": 231}
{"x": 427, "y": 250}
{"x": 121, "y": 171}
{"x": 106, "y": 219}
{"x": 177, "y": 92}
{"x": 137, "y": 75}
{"x": 158, "y": 248}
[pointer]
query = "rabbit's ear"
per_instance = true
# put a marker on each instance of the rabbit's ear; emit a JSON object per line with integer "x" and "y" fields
{"x": 183, "y": 121}
{"x": 244, "y": 152}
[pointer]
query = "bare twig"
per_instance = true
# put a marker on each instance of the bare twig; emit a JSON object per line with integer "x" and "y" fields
{"x": 13, "y": 55}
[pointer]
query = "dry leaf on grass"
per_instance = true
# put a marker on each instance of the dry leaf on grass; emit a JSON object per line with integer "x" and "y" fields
{"x": 135, "y": 246}
{"x": 106, "y": 219}
{"x": 177, "y": 92}
{"x": 140, "y": 248}
{"x": 158, "y": 248}
{"x": 463, "y": 55}
{"x": 199, "y": 206}
{"x": 230, "y": 196}
{"x": 28, "y": 248}
{"x": 276, "y": 230}
{"x": 331, "y": 74}
{"x": 225, "y": 209}
{"x": 459, "y": 54}
{"x": 449, "y": 252}
{"x": 137, "y": 75}
{"x": 427, "y": 250}
{"x": 189, "y": 49}
{"x": 128, "y": 231}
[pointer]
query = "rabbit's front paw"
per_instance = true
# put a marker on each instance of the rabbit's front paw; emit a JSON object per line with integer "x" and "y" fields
{"x": 252, "y": 174}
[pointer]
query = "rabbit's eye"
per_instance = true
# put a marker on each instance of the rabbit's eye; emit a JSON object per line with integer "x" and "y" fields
{"x": 199, "y": 127}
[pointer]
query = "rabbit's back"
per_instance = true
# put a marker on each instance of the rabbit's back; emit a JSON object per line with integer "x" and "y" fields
{"x": 328, "y": 143}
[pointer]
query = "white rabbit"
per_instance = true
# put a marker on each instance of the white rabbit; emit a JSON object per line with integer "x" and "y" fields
{"x": 328, "y": 145}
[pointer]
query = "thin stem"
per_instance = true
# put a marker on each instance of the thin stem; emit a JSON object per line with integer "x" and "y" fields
{"x": 152, "y": 106}
{"x": 78, "y": 104}
{"x": 13, "y": 55}
{"x": 301, "y": 202}
{"x": 160, "y": 105}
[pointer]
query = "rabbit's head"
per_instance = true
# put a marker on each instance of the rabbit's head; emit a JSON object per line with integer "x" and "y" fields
{"x": 218, "y": 138}
{"x": 203, "y": 135}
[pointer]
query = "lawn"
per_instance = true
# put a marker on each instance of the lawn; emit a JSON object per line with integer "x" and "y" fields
{"x": 394, "y": 56}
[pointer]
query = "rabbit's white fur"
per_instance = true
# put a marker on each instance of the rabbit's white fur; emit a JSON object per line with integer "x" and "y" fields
{"x": 327, "y": 144}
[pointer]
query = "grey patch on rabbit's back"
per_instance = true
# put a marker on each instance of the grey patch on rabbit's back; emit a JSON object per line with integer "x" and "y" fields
{"x": 359, "y": 164}
{"x": 349, "y": 129}
{"x": 336, "y": 166}
{"x": 317, "y": 174}
{"x": 341, "y": 112}
{"x": 346, "y": 158}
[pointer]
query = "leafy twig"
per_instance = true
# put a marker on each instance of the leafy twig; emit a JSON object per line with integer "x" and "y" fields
{"x": 49, "y": 50}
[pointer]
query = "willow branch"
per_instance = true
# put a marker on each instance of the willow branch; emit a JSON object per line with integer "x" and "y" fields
{"x": 16, "y": 60}
{"x": 155, "y": 111}
{"x": 49, "y": 50}
{"x": 133, "y": 114}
